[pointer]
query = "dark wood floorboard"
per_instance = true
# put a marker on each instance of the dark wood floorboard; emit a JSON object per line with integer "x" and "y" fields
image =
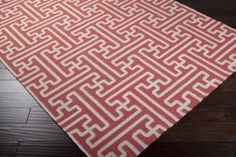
{"x": 234, "y": 147}
{"x": 8, "y": 149}
{"x": 189, "y": 149}
{"x": 16, "y": 115}
{"x": 2, "y": 66}
{"x": 39, "y": 116}
{"x": 49, "y": 149}
{"x": 16, "y": 100}
{"x": 5, "y": 75}
{"x": 201, "y": 132}
{"x": 209, "y": 130}
{"x": 32, "y": 132}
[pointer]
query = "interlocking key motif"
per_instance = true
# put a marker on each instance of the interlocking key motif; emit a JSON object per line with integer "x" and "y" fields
{"x": 115, "y": 74}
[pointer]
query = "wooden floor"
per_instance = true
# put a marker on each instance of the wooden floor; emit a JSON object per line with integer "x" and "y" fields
{"x": 208, "y": 131}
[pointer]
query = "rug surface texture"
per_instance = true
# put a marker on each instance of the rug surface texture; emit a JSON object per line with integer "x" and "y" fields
{"x": 115, "y": 74}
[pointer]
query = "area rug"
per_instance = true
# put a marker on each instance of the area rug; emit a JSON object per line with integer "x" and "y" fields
{"x": 115, "y": 74}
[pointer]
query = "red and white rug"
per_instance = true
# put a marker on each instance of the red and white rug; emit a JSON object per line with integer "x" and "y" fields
{"x": 115, "y": 74}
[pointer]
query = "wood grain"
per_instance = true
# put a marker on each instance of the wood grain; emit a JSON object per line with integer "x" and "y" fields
{"x": 8, "y": 149}
{"x": 2, "y": 66}
{"x": 49, "y": 149}
{"x": 6, "y": 75}
{"x": 189, "y": 149}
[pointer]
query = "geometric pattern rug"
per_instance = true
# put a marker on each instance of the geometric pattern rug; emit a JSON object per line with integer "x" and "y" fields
{"x": 115, "y": 74}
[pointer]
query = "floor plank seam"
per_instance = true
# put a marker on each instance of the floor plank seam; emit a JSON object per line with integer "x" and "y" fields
{"x": 18, "y": 144}
{"x": 27, "y": 119}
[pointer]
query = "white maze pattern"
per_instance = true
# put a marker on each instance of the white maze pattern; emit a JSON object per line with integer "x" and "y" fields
{"x": 115, "y": 74}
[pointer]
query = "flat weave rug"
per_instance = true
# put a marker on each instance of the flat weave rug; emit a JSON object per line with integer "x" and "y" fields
{"x": 115, "y": 74}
